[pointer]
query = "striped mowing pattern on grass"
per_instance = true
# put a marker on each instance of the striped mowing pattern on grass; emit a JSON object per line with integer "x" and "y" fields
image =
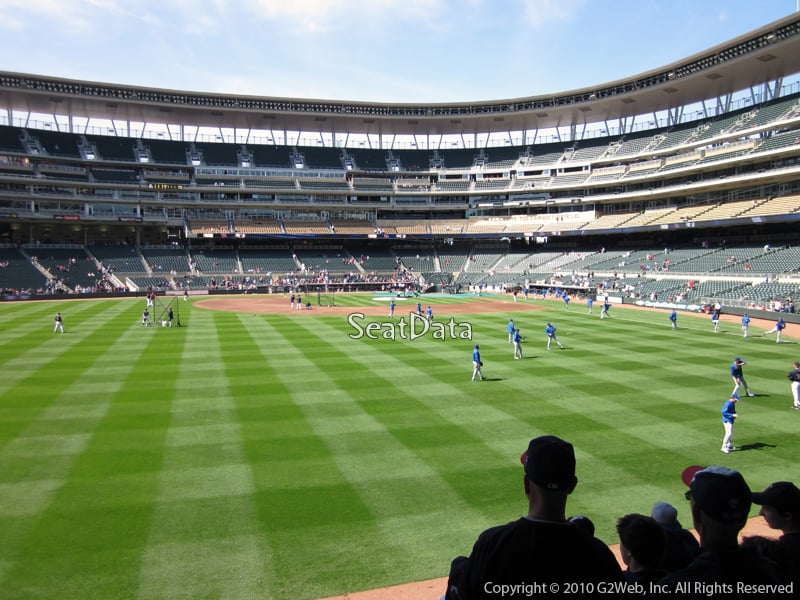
{"x": 274, "y": 456}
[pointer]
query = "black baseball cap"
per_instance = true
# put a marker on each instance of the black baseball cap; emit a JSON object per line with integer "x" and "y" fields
{"x": 550, "y": 463}
{"x": 722, "y": 494}
{"x": 783, "y": 495}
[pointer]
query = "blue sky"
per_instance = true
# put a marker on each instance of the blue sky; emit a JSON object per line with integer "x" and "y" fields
{"x": 371, "y": 50}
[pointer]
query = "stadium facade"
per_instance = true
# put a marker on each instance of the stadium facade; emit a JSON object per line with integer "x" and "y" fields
{"x": 169, "y": 189}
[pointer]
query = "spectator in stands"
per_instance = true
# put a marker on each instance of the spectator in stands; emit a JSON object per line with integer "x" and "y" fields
{"x": 542, "y": 546}
{"x": 584, "y": 523}
{"x": 780, "y": 507}
{"x": 682, "y": 546}
{"x": 642, "y": 545}
{"x": 720, "y": 503}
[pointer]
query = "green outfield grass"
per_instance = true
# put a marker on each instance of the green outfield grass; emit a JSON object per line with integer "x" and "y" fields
{"x": 250, "y": 456}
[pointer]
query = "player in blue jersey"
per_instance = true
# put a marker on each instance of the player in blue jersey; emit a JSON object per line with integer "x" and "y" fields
{"x": 391, "y": 309}
{"x": 745, "y": 325}
{"x": 715, "y": 317}
{"x": 673, "y": 317}
{"x": 510, "y": 330}
{"x": 604, "y": 313}
{"x": 565, "y": 298}
{"x": 550, "y": 330}
{"x": 517, "y": 344}
{"x": 589, "y": 303}
{"x": 780, "y": 325}
{"x": 728, "y": 417}
{"x": 419, "y": 309}
{"x": 476, "y": 363}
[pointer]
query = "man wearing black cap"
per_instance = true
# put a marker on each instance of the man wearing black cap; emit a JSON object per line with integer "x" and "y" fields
{"x": 720, "y": 503}
{"x": 780, "y": 507}
{"x": 541, "y": 547}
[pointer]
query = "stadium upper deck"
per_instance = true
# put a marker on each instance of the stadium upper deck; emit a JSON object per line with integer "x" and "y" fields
{"x": 762, "y": 57}
{"x": 736, "y": 163}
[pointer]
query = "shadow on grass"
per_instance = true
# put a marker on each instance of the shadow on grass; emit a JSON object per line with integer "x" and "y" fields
{"x": 754, "y": 446}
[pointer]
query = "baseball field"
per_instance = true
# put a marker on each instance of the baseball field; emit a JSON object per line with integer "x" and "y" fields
{"x": 257, "y": 452}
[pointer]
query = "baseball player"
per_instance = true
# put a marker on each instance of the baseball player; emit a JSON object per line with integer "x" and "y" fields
{"x": 738, "y": 376}
{"x": 728, "y": 417}
{"x": 517, "y": 344}
{"x": 780, "y": 325}
{"x": 58, "y": 324}
{"x": 745, "y": 325}
{"x": 550, "y": 330}
{"x": 673, "y": 317}
{"x": 794, "y": 378}
{"x": 476, "y": 363}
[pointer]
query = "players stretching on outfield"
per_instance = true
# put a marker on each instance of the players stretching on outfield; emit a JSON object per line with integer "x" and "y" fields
{"x": 778, "y": 329}
{"x": 738, "y": 377}
{"x": 476, "y": 363}
{"x": 517, "y": 344}
{"x": 550, "y": 330}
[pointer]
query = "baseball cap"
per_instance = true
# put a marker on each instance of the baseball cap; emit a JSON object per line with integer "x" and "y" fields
{"x": 550, "y": 463}
{"x": 735, "y": 395}
{"x": 783, "y": 495}
{"x": 477, "y": 346}
{"x": 666, "y": 515}
{"x": 721, "y": 493}
{"x": 738, "y": 359}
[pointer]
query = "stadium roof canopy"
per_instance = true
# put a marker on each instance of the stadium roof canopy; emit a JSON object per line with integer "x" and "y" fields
{"x": 757, "y": 61}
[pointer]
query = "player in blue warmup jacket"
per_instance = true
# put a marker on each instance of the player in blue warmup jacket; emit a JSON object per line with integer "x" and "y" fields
{"x": 673, "y": 316}
{"x": 517, "y": 344}
{"x": 778, "y": 329}
{"x": 550, "y": 330}
{"x": 510, "y": 329}
{"x": 745, "y": 325}
{"x": 728, "y": 417}
{"x": 476, "y": 363}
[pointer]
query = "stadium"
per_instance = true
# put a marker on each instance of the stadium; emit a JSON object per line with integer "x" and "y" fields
{"x": 258, "y": 450}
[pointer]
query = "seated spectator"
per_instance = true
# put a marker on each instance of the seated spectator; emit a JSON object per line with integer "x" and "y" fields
{"x": 682, "y": 546}
{"x": 642, "y": 544}
{"x": 541, "y": 547}
{"x": 780, "y": 507}
{"x": 720, "y": 503}
{"x": 583, "y": 522}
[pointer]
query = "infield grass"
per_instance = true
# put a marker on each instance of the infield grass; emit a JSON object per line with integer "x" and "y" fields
{"x": 273, "y": 456}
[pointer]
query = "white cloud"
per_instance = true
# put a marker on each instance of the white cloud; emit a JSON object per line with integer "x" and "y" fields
{"x": 541, "y": 13}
